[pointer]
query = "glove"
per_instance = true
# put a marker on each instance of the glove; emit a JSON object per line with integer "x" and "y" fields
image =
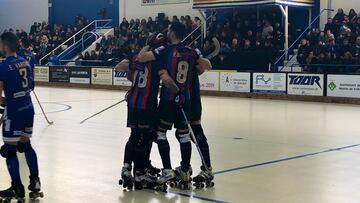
{"x": 179, "y": 99}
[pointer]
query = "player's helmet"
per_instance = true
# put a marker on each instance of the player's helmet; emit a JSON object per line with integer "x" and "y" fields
{"x": 156, "y": 40}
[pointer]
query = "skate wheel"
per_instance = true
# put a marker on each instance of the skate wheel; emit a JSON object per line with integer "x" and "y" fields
{"x": 121, "y": 182}
{"x": 212, "y": 184}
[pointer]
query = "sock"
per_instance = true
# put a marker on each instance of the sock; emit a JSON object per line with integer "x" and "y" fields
{"x": 32, "y": 162}
{"x": 164, "y": 149}
{"x": 203, "y": 144}
{"x": 185, "y": 149}
{"x": 13, "y": 165}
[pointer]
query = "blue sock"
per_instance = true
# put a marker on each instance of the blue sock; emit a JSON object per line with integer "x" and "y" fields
{"x": 31, "y": 159}
{"x": 13, "y": 165}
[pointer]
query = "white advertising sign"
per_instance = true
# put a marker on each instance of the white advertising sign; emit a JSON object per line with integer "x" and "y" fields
{"x": 120, "y": 79}
{"x": 269, "y": 82}
{"x": 101, "y": 76}
{"x": 343, "y": 86}
{"x": 209, "y": 81}
{"x": 306, "y": 84}
{"x": 41, "y": 74}
{"x": 234, "y": 82}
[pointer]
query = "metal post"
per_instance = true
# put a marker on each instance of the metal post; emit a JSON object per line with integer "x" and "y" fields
{"x": 310, "y": 16}
{"x": 329, "y": 8}
{"x": 285, "y": 12}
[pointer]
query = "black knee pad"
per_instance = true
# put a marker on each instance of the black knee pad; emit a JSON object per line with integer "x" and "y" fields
{"x": 183, "y": 136}
{"x": 7, "y": 152}
{"x": 24, "y": 147}
{"x": 199, "y": 133}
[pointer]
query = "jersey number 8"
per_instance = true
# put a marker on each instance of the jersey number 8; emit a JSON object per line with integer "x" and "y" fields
{"x": 143, "y": 78}
{"x": 23, "y": 73}
{"x": 183, "y": 68}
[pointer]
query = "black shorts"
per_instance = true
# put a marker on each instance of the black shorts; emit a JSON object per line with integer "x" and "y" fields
{"x": 139, "y": 118}
{"x": 169, "y": 114}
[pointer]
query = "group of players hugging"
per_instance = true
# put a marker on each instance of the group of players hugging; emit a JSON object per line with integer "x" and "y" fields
{"x": 165, "y": 59}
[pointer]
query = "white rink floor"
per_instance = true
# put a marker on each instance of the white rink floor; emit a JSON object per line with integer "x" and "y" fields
{"x": 283, "y": 152}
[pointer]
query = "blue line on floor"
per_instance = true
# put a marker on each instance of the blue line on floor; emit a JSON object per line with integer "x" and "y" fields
{"x": 286, "y": 159}
{"x": 67, "y": 108}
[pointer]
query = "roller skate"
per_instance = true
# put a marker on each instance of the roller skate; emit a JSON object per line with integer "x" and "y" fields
{"x": 127, "y": 180}
{"x": 204, "y": 179}
{"x": 153, "y": 170}
{"x": 167, "y": 176}
{"x": 35, "y": 189}
{"x": 144, "y": 180}
{"x": 13, "y": 193}
{"x": 183, "y": 178}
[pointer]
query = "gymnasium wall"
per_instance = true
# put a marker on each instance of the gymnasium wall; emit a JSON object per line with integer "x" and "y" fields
{"x": 21, "y": 14}
{"x": 134, "y": 9}
{"x": 65, "y": 11}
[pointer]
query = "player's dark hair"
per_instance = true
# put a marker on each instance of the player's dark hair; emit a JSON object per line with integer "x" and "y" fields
{"x": 25, "y": 42}
{"x": 10, "y": 40}
{"x": 179, "y": 29}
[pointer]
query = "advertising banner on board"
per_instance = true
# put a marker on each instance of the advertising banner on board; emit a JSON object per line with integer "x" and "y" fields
{"x": 101, "y": 76}
{"x": 59, "y": 74}
{"x": 80, "y": 75}
{"x": 343, "y": 86}
{"x": 306, "y": 84}
{"x": 269, "y": 82}
{"x": 234, "y": 82}
{"x": 120, "y": 78}
{"x": 41, "y": 74}
{"x": 209, "y": 81}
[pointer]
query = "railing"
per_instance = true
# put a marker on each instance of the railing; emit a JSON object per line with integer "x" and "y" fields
{"x": 109, "y": 62}
{"x": 197, "y": 33}
{"x": 296, "y": 42}
{"x": 96, "y": 24}
{"x": 328, "y": 68}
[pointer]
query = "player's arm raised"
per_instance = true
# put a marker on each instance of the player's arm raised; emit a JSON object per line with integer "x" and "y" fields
{"x": 168, "y": 81}
{"x": 204, "y": 65}
{"x": 146, "y": 55}
{"x": 123, "y": 65}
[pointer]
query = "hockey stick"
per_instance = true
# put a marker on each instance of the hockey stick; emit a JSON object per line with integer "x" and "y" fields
{"x": 46, "y": 118}
{"x": 117, "y": 103}
{"x": 194, "y": 139}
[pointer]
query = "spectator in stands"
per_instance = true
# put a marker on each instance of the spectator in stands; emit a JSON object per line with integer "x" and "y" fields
{"x": 352, "y": 15}
{"x": 340, "y": 15}
{"x": 303, "y": 51}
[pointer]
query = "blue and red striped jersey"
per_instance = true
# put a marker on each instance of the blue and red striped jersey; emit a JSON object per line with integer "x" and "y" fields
{"x": 145, "y": 85}
{"x": 179, "y": 61}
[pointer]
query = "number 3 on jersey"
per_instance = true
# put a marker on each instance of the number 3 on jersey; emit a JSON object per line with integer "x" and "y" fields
{"x": 23, "y": 73}
{"x": 183, "y": 68}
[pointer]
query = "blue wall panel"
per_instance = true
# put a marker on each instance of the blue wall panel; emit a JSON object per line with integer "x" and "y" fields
{"x": 65, "y": 11}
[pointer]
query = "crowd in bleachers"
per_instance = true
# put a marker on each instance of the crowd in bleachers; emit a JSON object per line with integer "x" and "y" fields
{"x": 45, "y": 37}
{"x": 246, "y": 40}
{"x": 130, "y": 36}
{"x": 338, "y": 43}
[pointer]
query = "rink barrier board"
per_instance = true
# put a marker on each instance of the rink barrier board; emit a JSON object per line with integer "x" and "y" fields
{"x": 277, "y": 86}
